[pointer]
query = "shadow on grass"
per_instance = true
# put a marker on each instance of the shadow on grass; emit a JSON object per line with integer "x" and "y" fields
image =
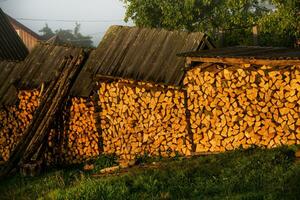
{"x": 242, "y": 174}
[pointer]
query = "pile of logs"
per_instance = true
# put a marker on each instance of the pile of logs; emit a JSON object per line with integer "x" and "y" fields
{"x": 78, "y": 142}
{"x": 15, "y": 119}
{"x": 243, "y": 106}
{"x": 141, "y": 118}
{"x": 223, "y": 108}
{"x": 80, "y": 139}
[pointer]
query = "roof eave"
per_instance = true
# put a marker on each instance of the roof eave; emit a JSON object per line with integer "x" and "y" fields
{"x": 241, "y": 60}
{"x": 25, "y": 28}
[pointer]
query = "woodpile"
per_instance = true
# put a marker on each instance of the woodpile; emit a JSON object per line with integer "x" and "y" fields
{"x": 243, "y": 106}
{"x": 78, "y": 142}
{"x": 80, "y": 139}
{"x": 35, "y": 136}
{"x": 15, "y": 119}
{"x": 222, "y": 108}
{"x": 141, "y": 118}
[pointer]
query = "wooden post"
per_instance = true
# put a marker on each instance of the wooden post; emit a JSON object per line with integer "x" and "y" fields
{"x": 188, "y": 115}
{"x": 297, "y": 44}
{"x": 221, "y": 38}
{"x": 255, "y": 35}
{"x": 98, "y": 110}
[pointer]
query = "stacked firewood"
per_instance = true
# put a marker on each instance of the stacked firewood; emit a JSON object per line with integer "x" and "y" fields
{"x": 141, "y": 118}
{"x": 242, "y": 106}
{"x": 79, "y": 140}
{"x": 15, "y": 119}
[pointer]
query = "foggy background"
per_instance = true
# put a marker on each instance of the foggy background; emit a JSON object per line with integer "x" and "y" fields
{"x": 95, "y": 16}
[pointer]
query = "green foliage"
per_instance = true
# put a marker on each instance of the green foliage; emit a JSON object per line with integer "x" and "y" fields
{"x": 147, "y": 159}
{"x": 104, "y": 161}
{"x": 243, "y": 174}
{"x": 194, "y": 15}
{"x": 73, "y": 37}
{"x": 47, "y": 32}
{"x": 234, "y": 17}
{"x": 281, "y": 27}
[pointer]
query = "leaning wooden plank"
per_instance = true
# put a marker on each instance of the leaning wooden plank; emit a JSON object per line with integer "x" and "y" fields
{"x": 67, "y": 79}
{"x": 22, "y": 145}
{"x": 51, "y": 102}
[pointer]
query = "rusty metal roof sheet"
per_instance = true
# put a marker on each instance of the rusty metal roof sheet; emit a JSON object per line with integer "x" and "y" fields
{"x": 11, "y": 45}
{"x": 140, "y": 54}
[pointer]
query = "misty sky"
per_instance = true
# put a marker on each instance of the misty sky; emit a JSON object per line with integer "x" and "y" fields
{"x": 107, "y": 12}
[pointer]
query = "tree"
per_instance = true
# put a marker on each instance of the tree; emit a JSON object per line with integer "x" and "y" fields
{"x": 47, "y": 32}
{"x": 73, "y": 37}
{"x": 234, "y": 17}
{"x": 281, "y": 26}
{"x": 194, "y": 15}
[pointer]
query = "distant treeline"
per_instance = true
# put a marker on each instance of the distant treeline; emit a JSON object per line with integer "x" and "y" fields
{"x": 73, "y": 37}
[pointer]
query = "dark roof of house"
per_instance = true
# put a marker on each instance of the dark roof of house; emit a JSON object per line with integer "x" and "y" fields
{"x": 42, "y": 65}
{"x": 11, "y": 45}
{"x": 269, "y": 53}
{"x": 25, "y": 28}
{"x": 140, "y": 54}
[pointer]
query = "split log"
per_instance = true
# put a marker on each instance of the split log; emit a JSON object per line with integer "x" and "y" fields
{"x": 109, "y": 170}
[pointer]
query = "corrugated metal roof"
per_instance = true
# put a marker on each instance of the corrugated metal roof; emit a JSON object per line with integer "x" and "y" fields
{"x": 269, "y": 53}
{"x": 140, "y": 54}
{"x": 11, "y": 45}
{"x": 42, "y": 65}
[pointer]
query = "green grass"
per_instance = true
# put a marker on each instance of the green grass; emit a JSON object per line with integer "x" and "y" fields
{"x": 242, "y": 174}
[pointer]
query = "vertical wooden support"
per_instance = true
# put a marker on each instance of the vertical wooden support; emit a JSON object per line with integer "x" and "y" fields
{"x": 186, "y": 105}
{"x": 62, "y": 136}
{"x": 255, "y": 35}
{"x": 221, "y": 39}
{"x": 98, "y": 110}
{"x": 188, "y": 115}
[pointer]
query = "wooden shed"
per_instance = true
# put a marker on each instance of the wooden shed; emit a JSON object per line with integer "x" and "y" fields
{"x": 243, "y": 97}
{"x": 140, "y": 93}
{"x": 135, "y": 65}
{"x": 23, "y": 86}
{"x": 29, "y": 37}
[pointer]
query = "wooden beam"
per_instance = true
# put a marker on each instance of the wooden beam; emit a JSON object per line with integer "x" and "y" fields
{"x": 103, "y": 78}
{"x": 156, "y": 87}
{"x": 189, "y": 61}
{"x": 99, "y": 77}
{"x": 244, "y": 61}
